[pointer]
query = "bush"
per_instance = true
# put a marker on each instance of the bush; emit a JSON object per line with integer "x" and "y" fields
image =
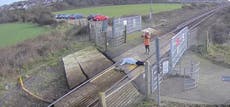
{"x": 220, "y": 33}
{"x": 38, "y": 14}
{"x": 15, "y": 57}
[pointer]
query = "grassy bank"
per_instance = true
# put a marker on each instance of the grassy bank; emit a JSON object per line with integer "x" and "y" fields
{"x": 12, "y": 33}
{"x": 120, "y": 10}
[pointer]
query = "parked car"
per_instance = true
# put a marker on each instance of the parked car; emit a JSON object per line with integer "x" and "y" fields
{"x": 91, "y": 16}
{"x": 78, "y": 16}
{"x": 100, "y": 18}
{"x": 66, "y": 16}
{"x": 71, "y": 17}
{"x": 59, "y": 16}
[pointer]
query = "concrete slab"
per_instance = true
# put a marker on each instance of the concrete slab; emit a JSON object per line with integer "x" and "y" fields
{"x": 73, "y": 72}
{"x": 92, "y": 61}
{"x": 84, "y": 64}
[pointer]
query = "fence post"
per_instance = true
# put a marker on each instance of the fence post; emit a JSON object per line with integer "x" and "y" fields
{"x": 192, "y": 68}
{"x": 89, "y": 30}
{"x": 158, "y": 71}
{"x": 207, "y": 42}
{"x": 105, "y": 36}
{"x": 147, "y": 80}
{"x": 125, "y": 33}
{"x": 170, "y": 57}
{"x": 102, "y": 99}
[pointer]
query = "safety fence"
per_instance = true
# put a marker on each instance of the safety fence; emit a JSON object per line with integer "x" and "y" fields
{"x": 130, "y": 24}
{"x": 105, "y": 35}
{"x": 191, "y": 76}
{"x": 77, "y": 22}
{"x": 178, "y": 45}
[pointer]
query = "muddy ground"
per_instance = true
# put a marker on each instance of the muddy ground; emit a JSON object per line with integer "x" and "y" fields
{"x": 48, "y": 80}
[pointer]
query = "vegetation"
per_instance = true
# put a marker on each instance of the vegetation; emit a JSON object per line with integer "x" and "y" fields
{"x": 13, "y": 33}
{"x": 114, "y": 11}
{"x": 37, "y": 14}
{"x": 216, "y": 47}
{"x": 72, "y": 4}
{"x": 34, "y": 56}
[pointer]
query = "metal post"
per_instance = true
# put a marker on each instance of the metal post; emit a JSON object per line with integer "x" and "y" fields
{"x": 192, "y": 68}
{"x": 151, "y": 12}
{"x": 89, "y": 30}
{"x": 102, "y": 99}
{"x": 184, "y": 78}
{"x": 125, "y": 33}
{"x": 207, "y": 41}
{"x": 158, "y": 70}
{"x": 170, "y": 57}
{"x": 95, "y": 33}
{"x": 105, "y": 35}
{"x": 147, "y": 80}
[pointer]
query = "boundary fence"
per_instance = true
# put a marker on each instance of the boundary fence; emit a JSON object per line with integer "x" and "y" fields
{"x": 191, "y": 76}
{"x": 105, "y": 35}
{"x": 130, "y": 24}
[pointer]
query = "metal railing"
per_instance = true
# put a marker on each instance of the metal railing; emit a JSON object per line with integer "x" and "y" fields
{"x": 191, "y": 77}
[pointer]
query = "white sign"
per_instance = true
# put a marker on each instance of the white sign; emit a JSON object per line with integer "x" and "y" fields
{"x": 165, "y": 67}
{"x": 125, "y": 22}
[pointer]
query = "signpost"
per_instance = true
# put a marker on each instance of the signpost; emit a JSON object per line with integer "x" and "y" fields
{"x": 158, "y": 70}
{"x": 165, "y": 67}
{"x": 125, "y": 32}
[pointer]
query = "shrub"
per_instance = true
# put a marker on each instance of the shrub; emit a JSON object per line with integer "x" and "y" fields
{"x": 38, "y": 14}
{"x": 220, "y": 33}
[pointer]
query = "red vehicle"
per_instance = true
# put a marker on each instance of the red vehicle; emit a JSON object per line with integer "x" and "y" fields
{"x": 100, "y": 18}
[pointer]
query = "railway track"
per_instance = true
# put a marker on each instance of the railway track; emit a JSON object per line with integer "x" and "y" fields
{"x": 86, "y": 94}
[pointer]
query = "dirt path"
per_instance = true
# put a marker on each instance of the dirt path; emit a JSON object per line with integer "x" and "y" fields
{"x": 211, "y": 89}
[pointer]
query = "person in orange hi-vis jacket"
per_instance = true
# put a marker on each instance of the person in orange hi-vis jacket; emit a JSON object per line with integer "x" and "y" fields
{"x": 146, "y": 37}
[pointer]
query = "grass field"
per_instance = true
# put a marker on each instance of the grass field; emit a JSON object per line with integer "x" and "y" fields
{"x": 120, "y": 10}
{"x": 13, "y": 33}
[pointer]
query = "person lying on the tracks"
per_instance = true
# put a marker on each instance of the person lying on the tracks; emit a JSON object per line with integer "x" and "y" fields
{"x": 128, "y": 64}
{"x": 131, "y": 61}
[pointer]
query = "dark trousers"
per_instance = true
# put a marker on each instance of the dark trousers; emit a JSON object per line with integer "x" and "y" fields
{"x": 147, "y": 48}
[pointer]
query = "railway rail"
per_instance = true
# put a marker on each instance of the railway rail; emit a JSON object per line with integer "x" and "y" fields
{"x": 86, "y": 94}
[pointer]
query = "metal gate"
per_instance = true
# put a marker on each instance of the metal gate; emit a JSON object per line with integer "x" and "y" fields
{"x": 154, "y": 78}
{"x": 178, "y": 46}
{"x": 191, "y": 76}
{"x": 131, "y": 23}
{"x": 99, "y": 33}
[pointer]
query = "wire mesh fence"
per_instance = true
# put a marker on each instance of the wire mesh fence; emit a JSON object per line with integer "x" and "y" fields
{"x": 105, "y": 35}
{"x": 131, "y": 23}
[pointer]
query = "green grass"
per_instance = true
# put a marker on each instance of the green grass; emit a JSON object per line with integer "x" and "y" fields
{"x": 120, "y": 10}
{"x": 13, "y": 33}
